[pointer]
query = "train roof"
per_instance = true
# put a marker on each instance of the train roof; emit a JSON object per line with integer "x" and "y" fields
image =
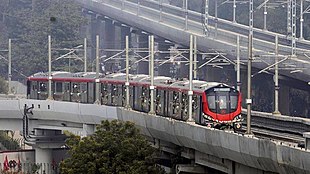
{"x": 53, "y": 73}
{"x": 158, "y": 80}
{"x": 65, "y": 76}
{"x": 87, "y": 74}
{"x": 138, "y": 77}
{"x": 197, "y": 84}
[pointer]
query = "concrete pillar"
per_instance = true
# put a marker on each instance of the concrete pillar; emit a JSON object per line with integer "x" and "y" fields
{"x": 143, "y": 42}
{"x": 183, "y": 69}
{"x": 88, "y": 129}
{"x": 164, "y": 69}
{"x": 94, "y": 30}
{"x": 46, "y": 141}
{"x": 43, "y": 155}
{"x": 125, "y": 31}
{"x": 109, "y": 43}
{"x": 284, "y": 100}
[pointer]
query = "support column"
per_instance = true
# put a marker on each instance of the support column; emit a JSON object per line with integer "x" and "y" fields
{"x": 163, "y": 69}
{"x": 95, "y": 27}
{"x": 88, "y": 129}
{"x": 109, "y": 43}
{"x": 46, "y": 141}
{"x": 284, "y": 98}
{"x": 125, "y": 31}
{"x": 143, "y": 66}
{"x": 43, "y": 155}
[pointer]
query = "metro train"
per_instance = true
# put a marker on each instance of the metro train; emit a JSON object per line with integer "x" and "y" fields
{"x": 214, "y": 104}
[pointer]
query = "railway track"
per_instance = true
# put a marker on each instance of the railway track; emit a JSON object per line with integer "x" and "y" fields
{"x": 282, "y": 128}
{"x": 285, "y": 137}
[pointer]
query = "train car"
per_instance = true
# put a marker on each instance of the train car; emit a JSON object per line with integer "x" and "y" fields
{"x": 72, "y": 87}
{"x": 214, "y": 104}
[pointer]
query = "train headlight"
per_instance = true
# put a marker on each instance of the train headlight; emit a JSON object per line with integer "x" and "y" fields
{"x": 238, "y": 125}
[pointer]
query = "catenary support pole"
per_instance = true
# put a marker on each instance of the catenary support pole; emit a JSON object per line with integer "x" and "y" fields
{"x": 152, "y": 87}
{"x": 127, "y": 73}
{"x": 250, "y": 57}
{"x": 85, "y": 55}
{"x": 195, "y": 58}
{"x": 190, "y": 92}
{"x": 10, "y": 67}
{"x": 97, "y": 101}
{"x": 50, "y": 97}
{"x": 234, "y": 11}
{"x": 265, "y": 16}
{"x": 186, "y": 14}
{"x": 276, "y": 79}
{"x": 238, "y": 63}
{"x": 301, "y": 19}
{"x": 216, "y": 19}
{"x": 149, "y": 55}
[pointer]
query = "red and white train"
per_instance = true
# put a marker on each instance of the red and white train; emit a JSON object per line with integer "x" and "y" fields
{"x": 214, "y": 104}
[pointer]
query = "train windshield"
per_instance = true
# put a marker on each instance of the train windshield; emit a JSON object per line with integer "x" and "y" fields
{"x": 222, "y": 100}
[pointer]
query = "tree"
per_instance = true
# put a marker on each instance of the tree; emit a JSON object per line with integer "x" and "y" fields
{"x": 29, "y": 23}
{"x": 3, "y": 86}
{"x": 116, "y": 147}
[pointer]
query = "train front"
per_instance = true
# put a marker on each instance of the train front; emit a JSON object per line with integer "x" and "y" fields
{"x": 222, "y": 107}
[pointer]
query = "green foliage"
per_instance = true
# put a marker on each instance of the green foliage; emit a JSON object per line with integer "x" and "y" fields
{"x": 116, "y": 147}
{"x": 3, "y": 86}
{"x": 8, "y": 142}
{"x": 29, "y": 23}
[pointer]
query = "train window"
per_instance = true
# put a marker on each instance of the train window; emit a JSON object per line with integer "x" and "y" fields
{"x": 233, "y": 102}
{"x": 43, "y": 87}
{"x": 211, "y": 102}
{"x": 58, "y": 86}
{"x": 222, "y": 102}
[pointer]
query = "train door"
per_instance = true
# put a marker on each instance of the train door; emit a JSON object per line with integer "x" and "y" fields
{"x": 75, "y": 92}
{"x": 123, "y": 95}
{"x": 91, "y": 92}
{"x": 42, "y": 93}
{"x": 109, "y": 94}
{"x": 184, "y": 106}
{"x": 196, "y": 107}
{"x": 34, "y": 90}
{"x": 58, "y": 94}
{"x": 132, "y": 96}
{"x": 119, "y": 101}
{"x": 159, "y": 102}
{"x": 138, "y": 98}
{"x": 67, "y": 91}
{"x": 166, "y": 103}
{"x": 145, "y": 99}
{"x": 114, "y": 95}
{"x": 83, "y": 88}
{"x": 104, "y": 96}
{"x": 174, "y": 98}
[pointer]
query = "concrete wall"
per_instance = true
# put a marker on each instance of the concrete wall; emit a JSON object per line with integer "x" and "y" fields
{"x": 261, "y": 154}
